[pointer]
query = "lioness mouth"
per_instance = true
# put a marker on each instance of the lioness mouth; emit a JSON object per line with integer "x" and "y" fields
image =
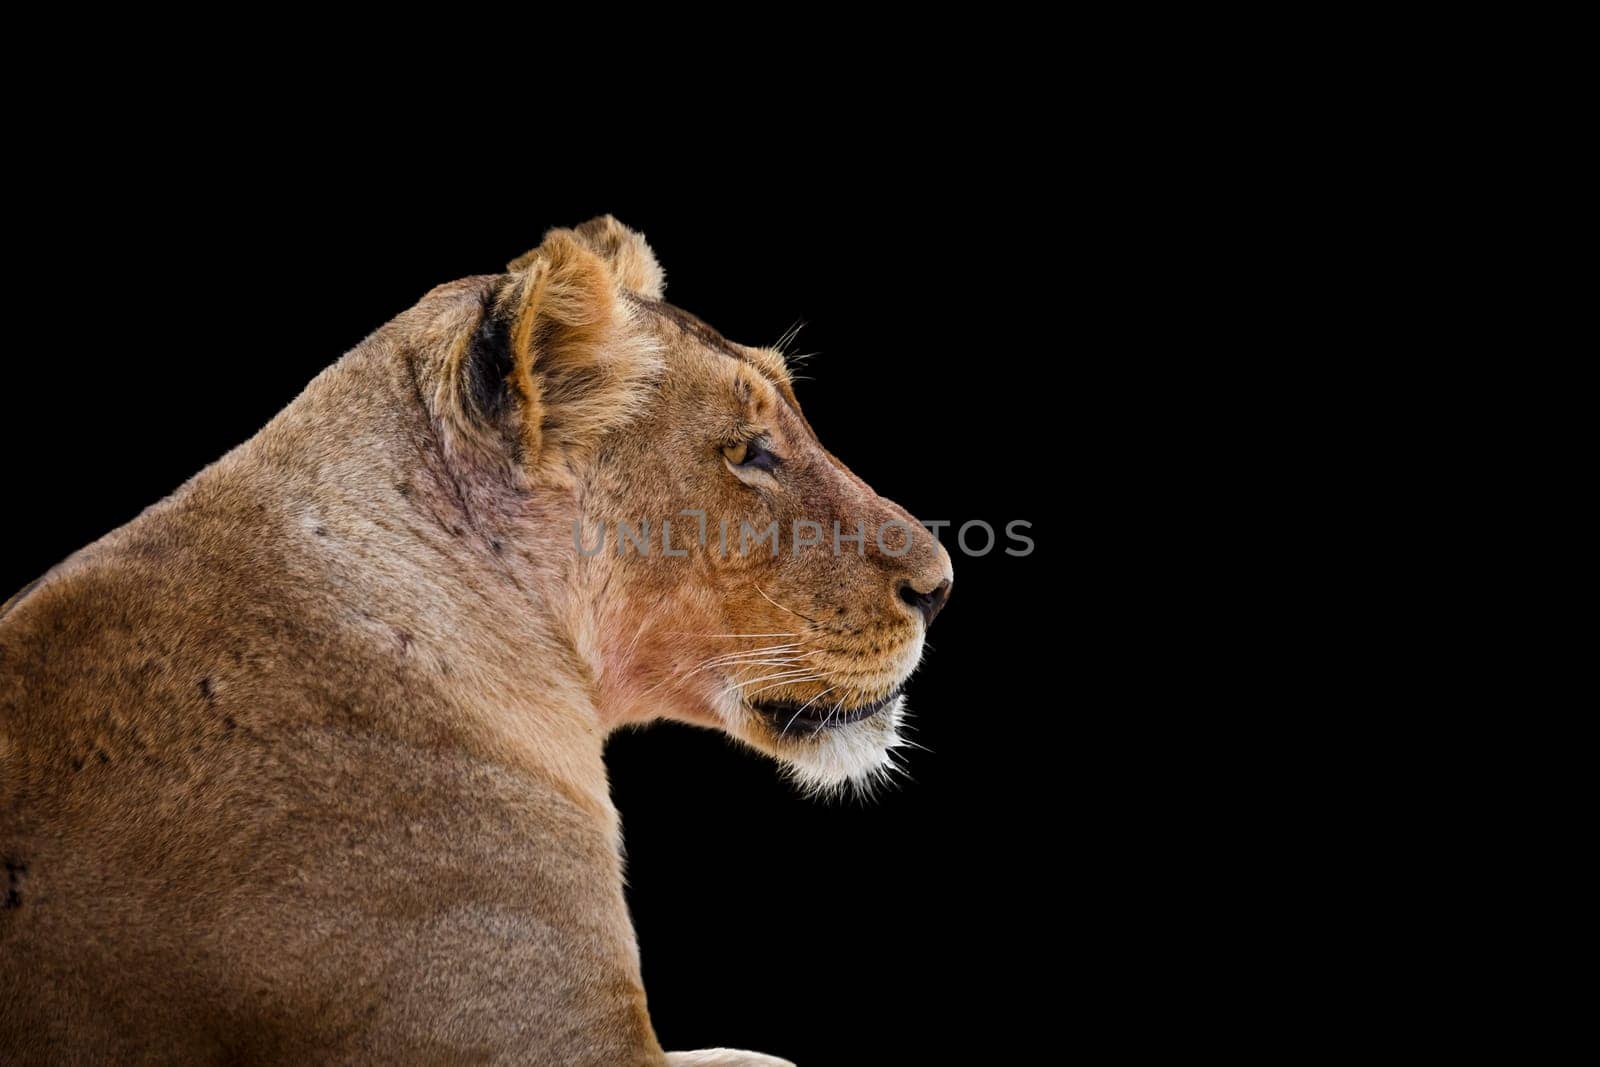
{"x": 815, "y": 714}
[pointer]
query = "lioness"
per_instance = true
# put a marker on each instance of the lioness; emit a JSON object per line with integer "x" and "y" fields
{"x": 305, "y": 762}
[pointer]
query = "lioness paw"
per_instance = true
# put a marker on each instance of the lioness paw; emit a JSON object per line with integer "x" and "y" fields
{"x": 724, "y": 1057}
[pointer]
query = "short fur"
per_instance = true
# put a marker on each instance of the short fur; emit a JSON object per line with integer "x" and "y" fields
{"x": 305, "y": 763}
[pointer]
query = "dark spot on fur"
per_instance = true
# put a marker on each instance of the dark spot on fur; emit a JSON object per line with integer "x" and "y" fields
{"x": 16, "y": 874}
{"x": 405, "y": 640}
{"x": 207, "y": 692}
{"x": 497, "y": 546}
{"x": 77, "y": 763}
{"x": 322, "y": 531}
{"x": 699, "y": 329}
{"x": 693, "y": 325}
{"x": 489, "y": 363}
{"x": 404, "y": 488}
{"x": 229, "y": 723}
{"x": 100, "y": 754}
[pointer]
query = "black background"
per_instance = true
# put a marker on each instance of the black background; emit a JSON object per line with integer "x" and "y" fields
{"x": 174, "y": 310}
{"x": 1129, "y": 288}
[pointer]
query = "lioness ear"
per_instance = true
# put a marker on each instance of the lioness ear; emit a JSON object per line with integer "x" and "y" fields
{"x": 553, "y": 361}
{"x": 633, "y": 265}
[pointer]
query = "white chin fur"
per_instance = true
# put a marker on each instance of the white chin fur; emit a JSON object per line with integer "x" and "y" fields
{"x": 855, "y": 759}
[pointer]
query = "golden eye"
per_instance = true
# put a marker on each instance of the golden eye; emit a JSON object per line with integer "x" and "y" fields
{"x": 751, "y": 454}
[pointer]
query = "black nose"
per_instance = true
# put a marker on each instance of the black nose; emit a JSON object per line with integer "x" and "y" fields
{"x": 928, "y": 603}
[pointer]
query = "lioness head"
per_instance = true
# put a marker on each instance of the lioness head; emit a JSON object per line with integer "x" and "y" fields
{"x": 716, "y": 563}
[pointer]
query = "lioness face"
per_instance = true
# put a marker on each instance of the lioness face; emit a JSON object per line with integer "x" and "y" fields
{"x": 787, "y": 602}
{"x": 727, "y": 570}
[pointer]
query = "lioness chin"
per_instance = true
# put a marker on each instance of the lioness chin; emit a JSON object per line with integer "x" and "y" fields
{"x": 305, "y": 762}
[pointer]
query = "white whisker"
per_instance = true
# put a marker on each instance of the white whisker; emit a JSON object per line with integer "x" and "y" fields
{"x": 806, "y": 705}
{"x": 691, "y": 633}
{"x": 780, "y": 607}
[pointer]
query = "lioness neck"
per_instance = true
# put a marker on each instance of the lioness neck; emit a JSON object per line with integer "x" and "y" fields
{"x": 413, "y": 558}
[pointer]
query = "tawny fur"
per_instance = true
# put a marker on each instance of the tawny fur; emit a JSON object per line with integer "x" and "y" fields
{"x": 304, "y": 764}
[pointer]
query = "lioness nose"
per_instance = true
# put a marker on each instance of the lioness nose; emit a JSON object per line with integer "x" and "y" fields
{"x": 928, "y": 603}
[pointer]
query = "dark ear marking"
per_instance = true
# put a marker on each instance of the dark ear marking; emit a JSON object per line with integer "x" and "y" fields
{"x": 549, "y": 365}
{"x": 489, "y": 361}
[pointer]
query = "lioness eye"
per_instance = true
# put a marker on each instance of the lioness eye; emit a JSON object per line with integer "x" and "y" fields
{"x": 750, "y": 454}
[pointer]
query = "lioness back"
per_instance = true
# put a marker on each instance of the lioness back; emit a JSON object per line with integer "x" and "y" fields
{"x": 232, "y": 799}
